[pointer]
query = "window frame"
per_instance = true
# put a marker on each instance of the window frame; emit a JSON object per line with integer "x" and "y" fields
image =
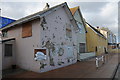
{"x": 26, "y": 33}
{"x": 6, "y": 52}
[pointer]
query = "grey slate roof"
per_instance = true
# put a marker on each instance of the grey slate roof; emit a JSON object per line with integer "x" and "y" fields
{"x": 32, "y": 16}
{"x": 96, "y": 30}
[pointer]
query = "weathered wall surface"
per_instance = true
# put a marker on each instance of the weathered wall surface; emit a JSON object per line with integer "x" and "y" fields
{"x": 51, "y": 36}
{"x": 81, "y": 35}
{"x": 61, "y": 51}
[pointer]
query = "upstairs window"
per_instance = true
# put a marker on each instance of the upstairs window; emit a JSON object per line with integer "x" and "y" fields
{"x": 26, "y": 30}
{"x": 68, "y": 31}
{"x": 4, "y": 34}
{"x": 80, "y": 26}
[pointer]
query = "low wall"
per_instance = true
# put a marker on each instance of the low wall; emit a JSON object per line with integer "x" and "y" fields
{"x": 82, "y": 56}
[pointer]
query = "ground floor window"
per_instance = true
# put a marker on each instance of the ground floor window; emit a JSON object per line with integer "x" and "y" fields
{"x": 39, "y": 50}
{"x": 8, "y": 50}
{"x": 82, "y": 47}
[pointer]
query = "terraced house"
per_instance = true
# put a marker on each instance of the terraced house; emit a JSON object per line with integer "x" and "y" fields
{"x": 3, "y": 22}
{"x": 81, "y": 34}
{"x": 51, "y": 32}
{"x": 111, "y": 39}
{"x": 96, "y": 41}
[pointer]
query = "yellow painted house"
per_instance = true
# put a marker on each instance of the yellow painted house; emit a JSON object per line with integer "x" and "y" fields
{"x": 111, "y": 39}
{"x": 96, "y": 42}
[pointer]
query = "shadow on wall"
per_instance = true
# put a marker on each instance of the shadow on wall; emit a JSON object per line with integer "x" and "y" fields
{"x": 0, "y": 60}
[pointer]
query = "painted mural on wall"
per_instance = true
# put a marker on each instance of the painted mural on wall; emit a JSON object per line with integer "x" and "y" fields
{"x": 60, "y": 49}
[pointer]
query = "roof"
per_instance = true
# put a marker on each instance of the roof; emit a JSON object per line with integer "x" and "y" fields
{"x": 73, "y": 10}
{"x": 98, "y": 32}
{"x": 4, "y": 21}
{"x": 36, "y": 15}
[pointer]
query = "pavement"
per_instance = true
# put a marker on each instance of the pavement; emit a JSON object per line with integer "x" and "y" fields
{"x": 117, "y": 72}
{"x": 83, "y": 69}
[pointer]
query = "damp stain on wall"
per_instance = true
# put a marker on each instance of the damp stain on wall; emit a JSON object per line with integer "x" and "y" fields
{"x": 60, "y": 62}
{"x": 42, "y": 65}
{"x": 60, "y": 52}
{"x": 54, "y": 42}
{"x": 50, "y": 46}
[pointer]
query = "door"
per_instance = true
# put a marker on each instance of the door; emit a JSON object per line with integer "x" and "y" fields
{"x": 8, "y": 60}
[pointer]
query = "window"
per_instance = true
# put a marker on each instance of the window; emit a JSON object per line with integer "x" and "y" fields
{"x": 26, "y": 30}
{"x": 82, "y": 47}
{"x": 39, "y": 50}
{"x": 80, "y": 26}
{"x": 8, "y": 50}
{"x": 4, "y": 34}
{"x": 68, "y": 31}
{"x": 96, "y": 49}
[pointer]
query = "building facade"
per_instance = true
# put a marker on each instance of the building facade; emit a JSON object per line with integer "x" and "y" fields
{"x": 96, "y": 42}
{"x": 81, "y": 33}
{"x": 3, "y": 22}
{"x": 111, "y": 38}
{"x": 51, "y": 32}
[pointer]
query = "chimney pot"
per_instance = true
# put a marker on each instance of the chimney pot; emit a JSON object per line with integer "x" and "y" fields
{"x": 97, "y": 26}
{"x": 46, "y": 6}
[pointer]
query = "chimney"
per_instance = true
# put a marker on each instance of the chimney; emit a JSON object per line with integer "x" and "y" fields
{"x": 46, "y": 6}
{"x": 97, "y": 27}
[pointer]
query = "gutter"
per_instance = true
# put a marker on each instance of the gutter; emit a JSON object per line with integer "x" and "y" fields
{"x": 19, "y": 22}
{"x": 34, "y": 16}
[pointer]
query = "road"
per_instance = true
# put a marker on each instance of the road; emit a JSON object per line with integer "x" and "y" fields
{"x": 83, "y": 69}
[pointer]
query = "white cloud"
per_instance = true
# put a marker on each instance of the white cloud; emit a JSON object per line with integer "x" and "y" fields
{"x": 59, "y": 1}
{"x": 106, "y": 17}
{"x": 102, "y": 14}
{"x": 110, "y": 10}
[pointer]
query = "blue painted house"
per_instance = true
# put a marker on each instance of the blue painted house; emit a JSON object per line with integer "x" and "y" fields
{"x": 5, "y": 21}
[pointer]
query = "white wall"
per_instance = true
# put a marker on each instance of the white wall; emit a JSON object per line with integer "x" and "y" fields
{"x": 24, "y": 47}
{"x": 57, "y": 23}
{"x": 0, "y": 60}
{"x": 81, "y": 35}
{"x": 8, "y": 61}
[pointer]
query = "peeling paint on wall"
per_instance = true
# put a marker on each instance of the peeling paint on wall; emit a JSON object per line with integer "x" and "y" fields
{"x": 53, "y": 38}
{"x": 61, "y": 51}
{"x": 42, "y": 65}
{"x": 50, "y": 46}
{"x": 60, "y": 62}
{"x": 43, "y": 22}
